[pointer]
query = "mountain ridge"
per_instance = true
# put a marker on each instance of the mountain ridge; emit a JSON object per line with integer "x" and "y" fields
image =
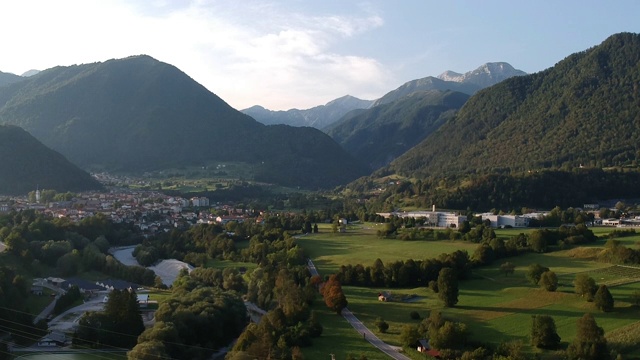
{"x": 469, "y": 83}
{"x": 28, "y": 164}
{"x": 378, "y": 135}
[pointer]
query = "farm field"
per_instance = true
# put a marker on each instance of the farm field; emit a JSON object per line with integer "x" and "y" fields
{"x": 495, "y": 307}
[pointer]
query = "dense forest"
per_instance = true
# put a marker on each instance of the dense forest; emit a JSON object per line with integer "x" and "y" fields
{"x": 481, "y": 192}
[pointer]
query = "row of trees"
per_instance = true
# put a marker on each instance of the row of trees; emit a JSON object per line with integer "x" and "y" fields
{"x": 409, "y": 273}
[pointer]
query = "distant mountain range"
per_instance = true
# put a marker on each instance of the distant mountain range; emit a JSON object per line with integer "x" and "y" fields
{"x": 318, "y": 117}
{"x": 323, "y": 116}
{"x": 26, "y": 164}
{"x": 583, "y": 112}
{"x": 405, "y": 116}
{"x": 139, "y": 114}
{"x": 469, "y": 83}
{"x": 484, "y": 76}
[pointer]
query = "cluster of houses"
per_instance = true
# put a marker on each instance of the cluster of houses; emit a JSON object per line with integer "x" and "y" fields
{"x": 150, "y": 211}
{"x": 88, "y": 289}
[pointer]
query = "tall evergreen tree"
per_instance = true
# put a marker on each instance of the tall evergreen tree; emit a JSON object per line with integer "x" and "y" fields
{"x": 590, "y": 343}
{"x": 603, "y": 299}
{"x": 543, "y": 332}
{"x": 448, "y": 287}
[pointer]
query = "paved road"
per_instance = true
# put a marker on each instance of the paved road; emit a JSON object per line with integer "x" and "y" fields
{"x": 59, "y": 323}
{"x": 49, "y": 309}
{"x": 363, "y": 330}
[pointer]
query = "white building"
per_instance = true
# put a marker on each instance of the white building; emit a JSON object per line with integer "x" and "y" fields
{"x": 432, "y": 218}
{"x": 500, "y": 221}
{"x": 200, "y": 201}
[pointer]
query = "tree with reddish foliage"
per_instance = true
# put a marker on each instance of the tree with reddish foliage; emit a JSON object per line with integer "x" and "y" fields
{"x": 333, "y": 294}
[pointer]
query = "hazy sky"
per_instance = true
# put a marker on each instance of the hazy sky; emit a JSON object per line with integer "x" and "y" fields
{"x": 286, "y": 54}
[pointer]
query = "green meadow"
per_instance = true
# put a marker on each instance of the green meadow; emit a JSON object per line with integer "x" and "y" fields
{"x": 495, "y": 307}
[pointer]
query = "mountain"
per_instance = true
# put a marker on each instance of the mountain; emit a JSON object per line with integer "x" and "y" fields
{"x": 27, "y": 164}
{"x": 137, "y": 114}
{"x": 469, "y": 83}
{"x": 582, "y": 112}
{"x": 30, "y": 73}
{"x": 484, "y": 76}
{"x": 378, "y": 135}
{"x": 318, "y": 117}
{"x": 8, "y": 78}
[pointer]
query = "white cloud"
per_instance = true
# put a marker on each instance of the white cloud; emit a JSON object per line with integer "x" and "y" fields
{"x": 245, "y": 52}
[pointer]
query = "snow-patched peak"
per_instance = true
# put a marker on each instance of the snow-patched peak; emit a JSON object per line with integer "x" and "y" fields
{"x": 485, "y": 75}
{"x": 451, "y": 76}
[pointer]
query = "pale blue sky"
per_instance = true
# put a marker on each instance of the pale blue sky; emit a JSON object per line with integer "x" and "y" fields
{"x": 286, "y": 54}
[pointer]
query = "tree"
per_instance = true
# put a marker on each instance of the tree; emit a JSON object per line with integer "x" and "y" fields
{"x": 603, "y": 299}
{"x": 409, "y": 335}
{"x": 451, "y": 335}
{"x": 382, "y": 325}
{"x": 149, "y": 350}
{"x": 333, "y": 295}
{"x": 507, "y": 268}
{"x": 534, "y": 272}
{"x": 585, "y": 285}
{"x": 549, "y": 281}
{"x": 538, "y": 241}
{"x": 543, "y": 332}
{"x": 448, "y": 287}
{"x": 589, "y": 343}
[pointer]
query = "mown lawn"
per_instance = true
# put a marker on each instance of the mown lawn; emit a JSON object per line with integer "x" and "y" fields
{"x": 37, "y": 303}
{"x": 338, "y": 338}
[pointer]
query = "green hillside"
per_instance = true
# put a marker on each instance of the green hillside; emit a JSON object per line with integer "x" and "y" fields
{"x": 378, "y": 135}
{"x": 583, "y": 111}
{"x": 27, "y": 164}
{"x": 139, "y": 114}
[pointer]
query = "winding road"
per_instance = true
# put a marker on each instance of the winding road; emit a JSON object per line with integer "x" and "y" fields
{"x": 392, "y": 351}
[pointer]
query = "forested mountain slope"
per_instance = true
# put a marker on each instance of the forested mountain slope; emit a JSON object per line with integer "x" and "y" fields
{"x": 378, "y": 135}
{"x": 138, "y": 114}
{"x": 27, "y": 164}
{"x": 583, "y": 111}
{"x": 7, "y": 78}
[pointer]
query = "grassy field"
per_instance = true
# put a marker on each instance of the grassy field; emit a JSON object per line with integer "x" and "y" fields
{"x": 495, "y": 307}
{"x": 360, "y": 245}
